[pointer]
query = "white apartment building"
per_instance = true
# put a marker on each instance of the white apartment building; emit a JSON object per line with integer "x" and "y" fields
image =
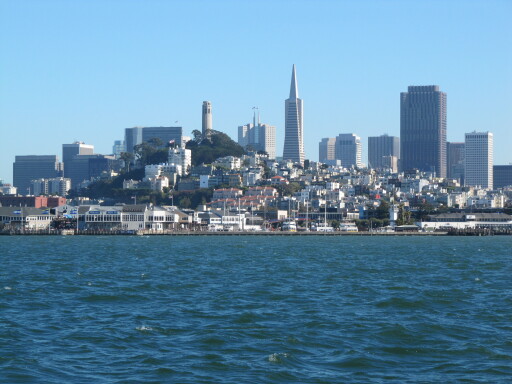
{"x": 181, "y": 157}
{"x": 54, "y": 186}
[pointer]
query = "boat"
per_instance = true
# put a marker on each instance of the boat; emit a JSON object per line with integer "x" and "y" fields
{"x": 348, "y": 227}
{"x": 289, "y": 226}
{"x": 322, "y": 227}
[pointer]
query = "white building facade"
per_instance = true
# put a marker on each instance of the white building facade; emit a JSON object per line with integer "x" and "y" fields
{"x": 478, "y": 162}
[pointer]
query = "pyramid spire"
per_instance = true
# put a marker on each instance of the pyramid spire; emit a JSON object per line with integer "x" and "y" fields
{"x": 294, "y": 91}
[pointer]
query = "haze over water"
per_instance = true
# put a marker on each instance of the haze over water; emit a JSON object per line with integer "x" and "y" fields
{"x": 241, "y": 309}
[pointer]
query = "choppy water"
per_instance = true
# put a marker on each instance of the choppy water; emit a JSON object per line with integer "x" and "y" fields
{"x": 255, "y": 309}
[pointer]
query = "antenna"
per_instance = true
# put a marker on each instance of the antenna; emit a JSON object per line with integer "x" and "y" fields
{"x": 254, "y": 118}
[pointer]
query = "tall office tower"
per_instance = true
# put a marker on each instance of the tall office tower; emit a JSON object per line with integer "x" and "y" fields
{"x": 478, "y": 159}
{"x": 85, "y": 167}
{"x": 423, "y": 129}
{"x": 455, "y": 160}
{"x": 348, "y": 149}
{"x": 502, "y": 176}
{"x": 380, "y": 148}
{"x": 327, "y": 149}
{"x": 207, "y": 117}
{"x": 76, "y": 148}
{"x": 138, "y": 135}
{"x": 294, "y": 127}
{"x": 118, "y": 148}
{"x": 28, "y": 168}
{"x": 261, "y": 137}
{"x": 132, "y": 137}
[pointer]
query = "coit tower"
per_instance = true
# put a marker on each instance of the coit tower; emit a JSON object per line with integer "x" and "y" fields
{"x": 207, "y": 117}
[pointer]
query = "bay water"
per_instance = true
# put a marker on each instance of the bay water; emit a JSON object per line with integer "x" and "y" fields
{"x": 255, "y": 309}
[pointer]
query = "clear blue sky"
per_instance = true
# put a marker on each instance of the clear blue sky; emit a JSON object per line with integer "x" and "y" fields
{"x": 85, "y": 70}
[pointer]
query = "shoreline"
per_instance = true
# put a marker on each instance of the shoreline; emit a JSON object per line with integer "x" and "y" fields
{"x": 246, "y": 233}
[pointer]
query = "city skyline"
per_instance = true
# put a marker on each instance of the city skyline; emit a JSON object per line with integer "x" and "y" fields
{"x": 65, "y": 81}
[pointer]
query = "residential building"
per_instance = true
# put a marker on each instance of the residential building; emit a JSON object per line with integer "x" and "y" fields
{"x": 182, "y": 157}
{"x": 7, "y": 189}
{"x": 294, "y": 126}
{"x": 54, "y": 186}
{"x": 455, "y": 160}
{"x": 28, "y": 168}
{"x": 327, "y": 150}
{"x": 348, "y": 149}
{"x": 381, "y": 149}
{"x": 478, "y": 159}
{"x": 423, "y": 129}
{"x": 207, "y": 121}
{"x": 502, "y": 176}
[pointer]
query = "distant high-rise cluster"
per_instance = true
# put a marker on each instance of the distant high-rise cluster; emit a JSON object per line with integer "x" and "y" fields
{"x": 422, "y": 146}
{"x": 344, "y": 149}
{"x": 294, "y": 125}
{"x": 258, "y": 136}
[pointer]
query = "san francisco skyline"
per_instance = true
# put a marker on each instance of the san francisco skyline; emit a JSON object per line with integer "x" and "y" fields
{"x": 87, "y": 70}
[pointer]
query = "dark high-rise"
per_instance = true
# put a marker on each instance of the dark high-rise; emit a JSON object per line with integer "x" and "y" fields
{"x": 380, "y": 148}
{"x": 455, "y": 160}
{"x": 423, "y": 129}
{"x": 502, "y": 175}
{"x": 138, "y": 135}
{"x": 28, "y": 168}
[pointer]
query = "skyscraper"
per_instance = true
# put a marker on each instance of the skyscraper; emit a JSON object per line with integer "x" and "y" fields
{"x": 138, "y": 135}
{"x": 326, "y": 149}
{"x": 71, "y": 150}
{"x": 207, "y": 117}
{"x": 118, "y": 148}
{"x": 478, "y": 159}
{"x": 28, "y": 168}
{"x": 455, "y": 160}
{"x": 293, "y": 130}
{"x": 85, "y": 167}
{"x": 379, "y": 150}
{"x": 502, "y": 176}
{"x": 348, "y": 149}
{"x": 261, "y": 137}
{"x": 423, "y": 129}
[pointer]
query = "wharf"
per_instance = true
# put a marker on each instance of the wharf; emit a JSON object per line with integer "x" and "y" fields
{"x": 211, "y": 233}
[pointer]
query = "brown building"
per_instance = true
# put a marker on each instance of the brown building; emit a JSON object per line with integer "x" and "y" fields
{"x": 32, "y": 201}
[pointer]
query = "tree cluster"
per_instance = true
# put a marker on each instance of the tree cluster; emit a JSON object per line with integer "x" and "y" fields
{"x": 207, "y": 149}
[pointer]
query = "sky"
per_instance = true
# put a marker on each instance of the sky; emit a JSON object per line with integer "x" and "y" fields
{"x": 85, "y": 70}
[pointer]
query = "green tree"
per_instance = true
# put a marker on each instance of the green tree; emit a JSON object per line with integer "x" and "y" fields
{"x": 185, "y": 202}
{"x": 404, "y": 216}
{"x": 382, "y": 211}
